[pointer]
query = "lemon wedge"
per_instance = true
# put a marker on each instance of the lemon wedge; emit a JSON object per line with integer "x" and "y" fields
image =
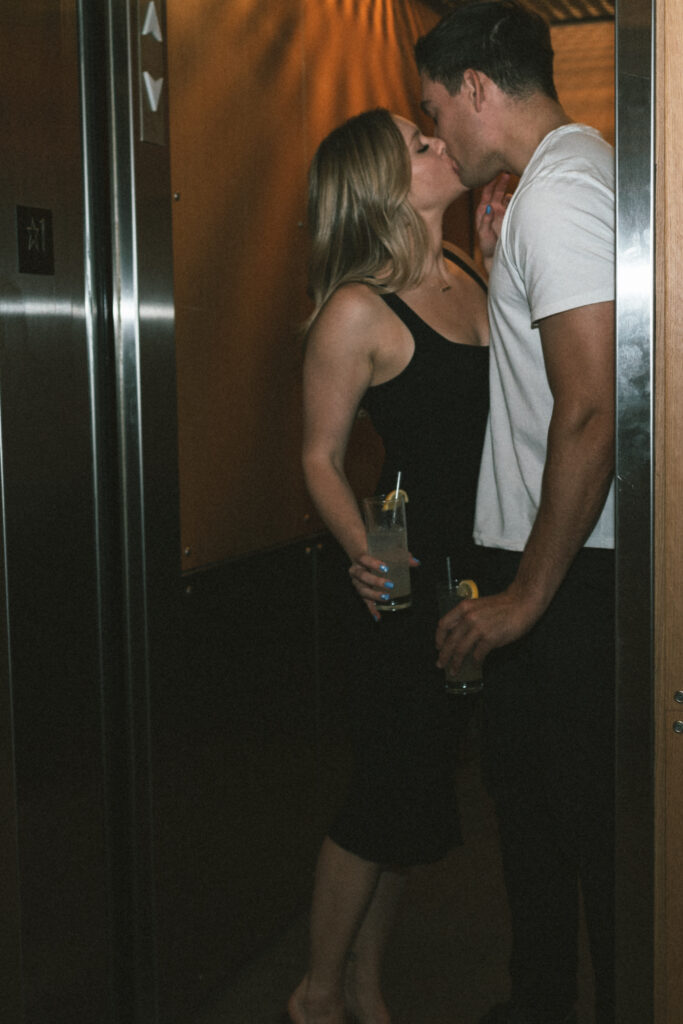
{"x": 467, "y": 589}
{"x": 390, "y": 499}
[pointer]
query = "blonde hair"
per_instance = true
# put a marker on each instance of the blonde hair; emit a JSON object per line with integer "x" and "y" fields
{"x": 363, "y": 228}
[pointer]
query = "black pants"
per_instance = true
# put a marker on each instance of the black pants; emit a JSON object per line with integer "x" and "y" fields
{"x": 549, "y": 766}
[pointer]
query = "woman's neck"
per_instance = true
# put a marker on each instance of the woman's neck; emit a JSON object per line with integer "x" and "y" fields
{"x": 436, "y": 269}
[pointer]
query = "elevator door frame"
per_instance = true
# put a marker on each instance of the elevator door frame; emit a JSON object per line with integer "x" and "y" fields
{"x": 635, "y": 757}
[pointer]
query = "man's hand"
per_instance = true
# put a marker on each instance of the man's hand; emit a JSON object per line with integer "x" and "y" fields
{"x": 478, "y": 626}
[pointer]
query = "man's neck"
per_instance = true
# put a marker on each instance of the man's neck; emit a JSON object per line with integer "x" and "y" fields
{"x": 529, "y": 122}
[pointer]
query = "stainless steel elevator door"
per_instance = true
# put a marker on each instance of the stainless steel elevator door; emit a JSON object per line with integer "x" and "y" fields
{"x": 57, "y": 871}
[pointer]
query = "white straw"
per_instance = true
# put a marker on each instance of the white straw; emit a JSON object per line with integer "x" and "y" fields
{"x": 395, "y": 508}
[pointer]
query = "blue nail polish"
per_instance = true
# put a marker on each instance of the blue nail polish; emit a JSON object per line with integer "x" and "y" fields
{"x": 385, "y": 597}
{"x": 488, "y": 209}
{"x": 388, "y": 584}
{"x": 417, "y": 561}
{"x": 384, "y": 568}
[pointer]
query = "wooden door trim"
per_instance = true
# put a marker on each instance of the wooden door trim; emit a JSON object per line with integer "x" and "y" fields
{"x": 668, "y": 575}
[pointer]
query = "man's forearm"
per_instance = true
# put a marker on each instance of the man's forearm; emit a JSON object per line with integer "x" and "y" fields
{"x": 576, "y": 481}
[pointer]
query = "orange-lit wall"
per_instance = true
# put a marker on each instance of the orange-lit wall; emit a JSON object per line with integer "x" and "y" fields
{"x": 584, "y": 73}
{"x": 254, "y": 85}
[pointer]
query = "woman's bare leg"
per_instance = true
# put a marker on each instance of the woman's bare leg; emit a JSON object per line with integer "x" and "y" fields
{"x": 344, "y": 887}
{"x": 363, "y": 977}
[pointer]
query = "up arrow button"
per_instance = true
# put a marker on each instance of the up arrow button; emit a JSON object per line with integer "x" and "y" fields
{"x": 152, "y": 26}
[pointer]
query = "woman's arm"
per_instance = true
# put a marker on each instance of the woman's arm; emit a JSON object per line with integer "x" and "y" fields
{"x": 337, "y": 371}
{"x": 488, "y": 216}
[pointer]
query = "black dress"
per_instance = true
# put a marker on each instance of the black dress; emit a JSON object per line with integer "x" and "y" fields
{"x": 401, "y": 807}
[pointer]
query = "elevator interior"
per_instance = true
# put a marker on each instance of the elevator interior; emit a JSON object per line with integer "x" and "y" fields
{"x": 170, "y": 736}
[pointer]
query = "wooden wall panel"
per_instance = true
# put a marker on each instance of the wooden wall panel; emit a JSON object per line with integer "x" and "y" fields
{"x": 668, "y": 503}
{"x": 254, "y": 85}
{"x": 584, "y": 73}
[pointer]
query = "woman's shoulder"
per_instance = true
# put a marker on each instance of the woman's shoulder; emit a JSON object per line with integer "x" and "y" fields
{"x": 351, "y": 308}
{"x": 355, "y": 298}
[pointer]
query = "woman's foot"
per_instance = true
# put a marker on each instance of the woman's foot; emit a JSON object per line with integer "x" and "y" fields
{"x": 364, "y": 1000}
{"x": 306, "y": 1006}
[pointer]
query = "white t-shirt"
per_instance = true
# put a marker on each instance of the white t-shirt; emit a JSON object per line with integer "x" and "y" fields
{"x": 556, "y": 252}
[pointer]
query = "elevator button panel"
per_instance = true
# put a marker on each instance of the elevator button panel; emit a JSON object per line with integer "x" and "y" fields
{"x": 35, "y": 249}
{"x": 152, "y": 84}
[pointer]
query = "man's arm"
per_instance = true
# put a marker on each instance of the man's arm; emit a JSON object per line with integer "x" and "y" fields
{"x": 578, "y": 348}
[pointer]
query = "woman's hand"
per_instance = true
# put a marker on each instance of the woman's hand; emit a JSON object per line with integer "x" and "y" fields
{"x": 488, "y": 217}
{"x": 370, "y": 578}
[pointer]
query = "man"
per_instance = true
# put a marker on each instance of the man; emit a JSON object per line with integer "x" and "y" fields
{"x": 545, "y": 505}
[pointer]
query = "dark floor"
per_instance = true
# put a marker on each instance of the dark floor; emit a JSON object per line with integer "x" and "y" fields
{"x": 446, "y": 962}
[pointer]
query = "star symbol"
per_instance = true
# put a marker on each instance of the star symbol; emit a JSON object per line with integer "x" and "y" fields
{"x": 35, "y": 234}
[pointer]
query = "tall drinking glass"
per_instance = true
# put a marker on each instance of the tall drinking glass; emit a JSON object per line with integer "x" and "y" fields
{"x": 386, "y": 527}
{"x": 468, "y": 679}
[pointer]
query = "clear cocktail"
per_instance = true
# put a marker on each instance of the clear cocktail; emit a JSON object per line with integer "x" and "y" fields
{"x": 468, "y": 679}
{"x": 385, "y": 524}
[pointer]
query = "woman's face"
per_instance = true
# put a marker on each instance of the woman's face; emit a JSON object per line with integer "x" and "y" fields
{"x": 435, "y": 182}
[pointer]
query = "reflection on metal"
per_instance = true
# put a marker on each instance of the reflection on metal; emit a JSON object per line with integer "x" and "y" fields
{"x": 142, "y": 325}
{"x": 635, "y": 346}
{"x": 126, "y": 331}
{"x": 52, "y": 716}
{"x": 46, "y": 306}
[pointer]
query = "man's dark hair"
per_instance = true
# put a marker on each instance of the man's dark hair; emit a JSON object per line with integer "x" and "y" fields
{"x": 507, "y": 41}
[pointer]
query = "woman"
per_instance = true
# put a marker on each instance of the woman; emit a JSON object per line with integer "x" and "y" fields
{"x": 399, "y": 327}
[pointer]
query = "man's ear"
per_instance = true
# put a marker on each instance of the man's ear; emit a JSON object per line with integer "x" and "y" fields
{"x": 474, "y": 87}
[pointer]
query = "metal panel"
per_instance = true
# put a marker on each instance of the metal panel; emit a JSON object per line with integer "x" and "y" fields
{"x": 635, "y": 347}
{"x": 51, "y": 705}
{"x": 75, "y": 855}
{"x": 11, "y": 994}
{"x": 147, "y": 438}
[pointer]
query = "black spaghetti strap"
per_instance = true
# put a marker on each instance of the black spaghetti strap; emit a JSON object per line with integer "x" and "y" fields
{"x": 454, "y": 258}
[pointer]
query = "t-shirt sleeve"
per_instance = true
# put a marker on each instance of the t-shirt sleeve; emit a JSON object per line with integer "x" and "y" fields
{"x": 561, "y": 239}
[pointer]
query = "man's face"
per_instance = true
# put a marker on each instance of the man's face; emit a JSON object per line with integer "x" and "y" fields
{"x": 461, "y": 126}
